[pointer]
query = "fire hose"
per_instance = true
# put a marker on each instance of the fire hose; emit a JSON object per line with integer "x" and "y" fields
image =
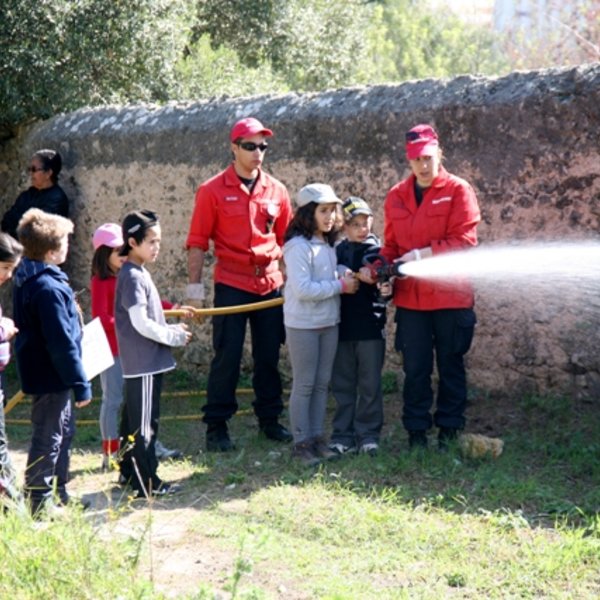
{"x": 197, "y": 313}
{"x": 225, "y": 310}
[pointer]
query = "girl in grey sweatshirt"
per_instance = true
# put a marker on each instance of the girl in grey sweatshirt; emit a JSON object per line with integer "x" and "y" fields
{"x": 311, "y": 315}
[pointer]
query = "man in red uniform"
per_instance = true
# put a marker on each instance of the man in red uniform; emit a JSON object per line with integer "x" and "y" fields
{"x": 245, "y": 212}
{"x": 429, "y": 213}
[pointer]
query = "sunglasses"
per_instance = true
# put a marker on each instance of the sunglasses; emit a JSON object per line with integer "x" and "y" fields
{"x": 35, "y": 169}
{"x": 252, "y": 146}
{"x": 416, "y": 136}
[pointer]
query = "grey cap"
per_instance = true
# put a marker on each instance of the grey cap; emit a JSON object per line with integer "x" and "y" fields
{"x": 319, "y": 193}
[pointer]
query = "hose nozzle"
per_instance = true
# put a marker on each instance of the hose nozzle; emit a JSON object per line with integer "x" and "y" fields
{"x": 383, "y": 270}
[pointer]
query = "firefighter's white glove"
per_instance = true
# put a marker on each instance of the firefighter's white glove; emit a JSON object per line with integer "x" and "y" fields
{"x": 194, "y": 295}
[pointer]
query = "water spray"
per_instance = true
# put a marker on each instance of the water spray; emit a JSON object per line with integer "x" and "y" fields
{"x": 550, "y": 262}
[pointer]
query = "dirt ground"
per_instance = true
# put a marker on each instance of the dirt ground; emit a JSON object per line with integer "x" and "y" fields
{"x": 176, "y": 558}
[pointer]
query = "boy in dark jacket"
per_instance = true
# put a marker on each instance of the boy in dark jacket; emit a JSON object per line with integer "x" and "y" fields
{"x": 48, "y": 352}
{"x": 356, "y": 379}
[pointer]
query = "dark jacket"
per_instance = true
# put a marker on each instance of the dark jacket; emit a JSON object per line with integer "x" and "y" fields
{"x": 362, "y": 314}
{"x": 51, "y": 200}
{"x": 48, "y": 345}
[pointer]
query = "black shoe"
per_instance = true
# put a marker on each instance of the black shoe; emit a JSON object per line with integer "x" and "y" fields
{"x": 275, "y": 431}
{"x": 445, "y": 437}
{"x": 217, "y": 438}
{"x": 417, "y": 439}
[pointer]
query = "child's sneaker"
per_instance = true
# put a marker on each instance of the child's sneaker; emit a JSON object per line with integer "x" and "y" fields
{"x": 167, "y": 489}
{"x": 370, "y": 448}
{"x": 304, "y": 452}
{"x": 342, "y": 449}
{"x": 164, "y": 453}
{"x": 164, "y": 489}
{"x": 322, "y": 450}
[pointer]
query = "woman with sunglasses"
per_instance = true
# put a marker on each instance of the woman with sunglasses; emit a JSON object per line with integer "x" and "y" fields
{"x": 44, "y": 193}
{"x": 429, "y": 213}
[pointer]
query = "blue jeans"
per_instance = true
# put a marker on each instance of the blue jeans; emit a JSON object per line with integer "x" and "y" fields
{"x": 53, "y": 428}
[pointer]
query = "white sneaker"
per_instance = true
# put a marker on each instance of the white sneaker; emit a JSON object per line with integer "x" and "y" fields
{"x": 370, "y": 448}
{"x": 341, "y": 449}
{"x": 162, "y": 452}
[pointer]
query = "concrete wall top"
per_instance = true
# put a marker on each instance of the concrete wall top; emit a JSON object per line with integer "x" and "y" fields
{"x": 374, "y": 119}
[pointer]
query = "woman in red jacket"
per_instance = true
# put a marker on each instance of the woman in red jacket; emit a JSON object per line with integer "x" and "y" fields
{"x": 427, "y": 214}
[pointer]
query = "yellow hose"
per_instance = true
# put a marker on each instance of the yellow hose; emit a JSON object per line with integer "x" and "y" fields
{"x": 195, "y": 417}
{"x": 13, "y": 401}
{"x": 197, "y": 313}
{"x": 225, "y": 310}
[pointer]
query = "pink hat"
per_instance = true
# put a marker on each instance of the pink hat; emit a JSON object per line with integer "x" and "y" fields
{"x": 421, "y": 140}
{"x": 247, "y": 128}
{"x": 109, "y": 234}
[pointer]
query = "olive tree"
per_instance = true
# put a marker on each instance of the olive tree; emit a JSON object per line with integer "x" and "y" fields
{"x": 308, "y": 44}
{"x": 58, "y": 55}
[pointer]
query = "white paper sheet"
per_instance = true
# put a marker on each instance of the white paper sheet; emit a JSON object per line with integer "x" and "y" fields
{"x": 96, "y": 354}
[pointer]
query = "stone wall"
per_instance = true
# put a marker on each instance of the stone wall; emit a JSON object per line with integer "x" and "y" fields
{"x": 527, "y": 142}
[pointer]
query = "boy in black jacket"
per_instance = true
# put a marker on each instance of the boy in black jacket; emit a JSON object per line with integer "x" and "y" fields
{"x": 356, "y": 379}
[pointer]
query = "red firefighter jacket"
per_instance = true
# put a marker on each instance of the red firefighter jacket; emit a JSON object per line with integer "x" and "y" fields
{"x": 446, "y": 220}
{"x": 247, "y": 229}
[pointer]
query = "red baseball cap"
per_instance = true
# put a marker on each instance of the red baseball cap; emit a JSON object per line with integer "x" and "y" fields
{"x": 247, "y": 128}
{"x": 421, "y": 140}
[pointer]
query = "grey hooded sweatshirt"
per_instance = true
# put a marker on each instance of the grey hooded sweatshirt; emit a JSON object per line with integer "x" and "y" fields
{"x": 312, "y": 289}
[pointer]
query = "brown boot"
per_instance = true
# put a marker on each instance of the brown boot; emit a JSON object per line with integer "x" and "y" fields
{"x": 303, "y": 452}
{"x": 321, "y": 449}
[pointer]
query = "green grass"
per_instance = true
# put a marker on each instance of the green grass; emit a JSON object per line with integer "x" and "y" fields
{"x": 65, "y": 559}
{"x": 400, "y": 525}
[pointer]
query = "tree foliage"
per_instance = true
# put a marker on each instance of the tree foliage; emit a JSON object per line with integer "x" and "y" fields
{"x": 436, "y": 43}
{"x": 207, "y": 72}
{"x": 59, "y": 55}
{"x": 309, "y": 44}
{"x": 316, "y": 44}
